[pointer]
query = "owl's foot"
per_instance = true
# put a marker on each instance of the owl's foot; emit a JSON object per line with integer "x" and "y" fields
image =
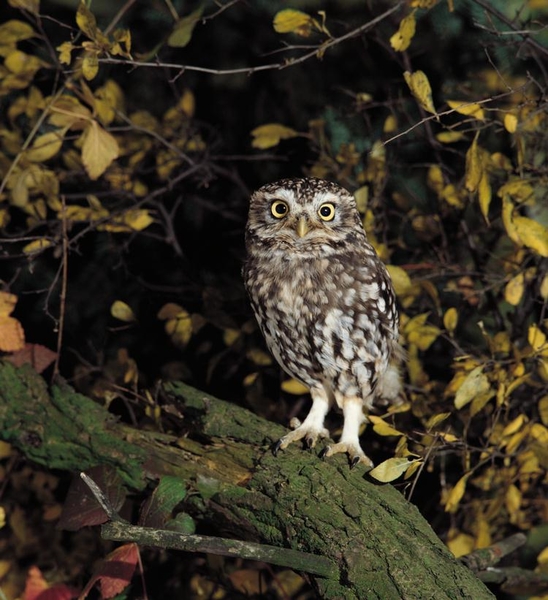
{"x": 309, "y": 433}
{"x": 355, "y": 454}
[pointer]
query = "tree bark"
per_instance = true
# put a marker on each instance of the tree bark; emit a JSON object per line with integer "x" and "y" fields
{"x": 380, "y": 545}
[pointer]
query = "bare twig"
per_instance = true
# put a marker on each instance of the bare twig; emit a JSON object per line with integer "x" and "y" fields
{"x": 161, "y": 538}
{"x": 63, "y": 293}
{"x": 484, "y": 558}
{"x": 270, "y": 67}
{"x": 119, "y": 530}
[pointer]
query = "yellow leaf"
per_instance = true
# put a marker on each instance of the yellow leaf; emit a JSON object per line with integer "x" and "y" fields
{"x": 90, "y": 65}
{"x": 390, "y": 124}
{"x": 475, "y": 383}
{"x": 24, "y": 65}
{"x": 544, "y": 288}
{"x": 536, "y": 338}
{"x": 510, "y": 122}
{"x": 542, "y": 558}
{"x": 420, "y": 88}
{"x": 170, "y": 311}
{"x": 269, "y": 135}
{"x": 37, "y": 245}
{"x": 133, "y": 219}
{"x": 184, "y": 28}
{"x": 450, "y": 319}
{"x": 467, "y": 108}
{"x": 413, "y": 468}
{"x": 7, "y": 303}
{"x": 381, "y": 427}
{"x": 434, "y": 179}
{"x": 540, "y": 433}
{"x": 455, "y": 495}
{"x": 86, "y": 21}
{"x": 12, "y": 336}
{"x": 420, "y": 333}
{"x": 187, "y": 103}
{"x": 294, "y": 387}
{"x": 31, "y": 6}
{"x": 294, "y": 21}
{"x": 66, "y": 111}
{"x": 259, "y": 357}
{"x": 514, "y": 426}
{"x": 15, "y": 31}
{"x": 99, "y": 149}
{"x": 65, "y": 55}
{"x": 361, "y": 196}
{"x": 122, "y": 42}
{"x": 484, "y": 195}
{"x": 532, "y": 234}
{"x": 250, "y": 379}
{"x": 400, "y": 279}
{"x": 483, "y": 535}
{"x": 122, "y": 311}
{"x": 179, "y": 328}
{"x": 513, "y": 292}
{"x": 82, "y": 213}
{"x": 447, "y": 137}
{"x": 518, "y": 189}
{"x": 230, "y": 336}
{"x": 401, "y": 40}
{"x": 461, "y": 545}
{"x": 5, "y": 450}
{"x": 45, "y": 146}
{"x": 508, "y": 218}
{"x": 436, "y": 420}
{"x": 543, "y": 409}
{"x": 474, "y": 166}
{"x": 391, "y": 469}
{"x": 109, "y": 99}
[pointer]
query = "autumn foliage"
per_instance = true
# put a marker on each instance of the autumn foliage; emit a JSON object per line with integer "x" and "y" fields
{"x": 130, "y": 139}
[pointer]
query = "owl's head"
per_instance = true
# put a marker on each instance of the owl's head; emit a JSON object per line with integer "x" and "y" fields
{"x": 302, "y": 215}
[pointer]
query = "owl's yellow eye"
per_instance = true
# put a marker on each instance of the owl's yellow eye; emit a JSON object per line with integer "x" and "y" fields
{"x": 279, "y": 209}
{"x": 326, "y": 212}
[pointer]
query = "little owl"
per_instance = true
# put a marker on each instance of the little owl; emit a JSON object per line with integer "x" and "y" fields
{"x": 324, "y": 303}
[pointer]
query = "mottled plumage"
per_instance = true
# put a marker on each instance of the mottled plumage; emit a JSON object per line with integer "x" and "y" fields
{"x": 324, "y": 302}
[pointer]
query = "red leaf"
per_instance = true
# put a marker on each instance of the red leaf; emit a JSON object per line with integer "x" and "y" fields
{"x": 35, "y": 584}
{"x": 81, "y": 509}
{"x": 115, "y": 572}
{"x": 37, "y": 588}
{"x": 36, "y": 355}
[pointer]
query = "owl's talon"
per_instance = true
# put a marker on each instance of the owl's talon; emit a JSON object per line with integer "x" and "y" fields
{"x": 355, "y": 461}
{"x": 277, "y": 447}
{"x": 355, "y": 454}
{"x": 309, "y": 442}
{"x": 323, "y": 453}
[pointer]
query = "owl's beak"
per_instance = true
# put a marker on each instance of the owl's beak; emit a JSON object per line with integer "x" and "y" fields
{"x": 302, "y": 227}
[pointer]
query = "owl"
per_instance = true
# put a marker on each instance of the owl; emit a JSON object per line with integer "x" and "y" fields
{"x": 325, "y": 304}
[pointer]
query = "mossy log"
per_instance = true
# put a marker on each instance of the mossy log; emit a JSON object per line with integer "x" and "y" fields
{"x": 378, "y": 544}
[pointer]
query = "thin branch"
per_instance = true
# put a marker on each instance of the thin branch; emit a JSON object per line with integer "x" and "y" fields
{"x": 485, "y": 558}
{"x": 63, "y": 293}
{"x": 525, "y": 34}
{"x": 119, "y": 15}
{"x": 270, "y": 67}
{"x": 162, "y": 538}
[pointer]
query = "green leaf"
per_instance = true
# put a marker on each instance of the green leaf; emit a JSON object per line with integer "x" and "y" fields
{"x": 169, "y": 492}
{"x": 182, "y": 32}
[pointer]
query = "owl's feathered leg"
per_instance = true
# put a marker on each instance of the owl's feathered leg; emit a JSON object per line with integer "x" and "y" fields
{"x": 312, "y": 427}
{"x": 350, "y": 442}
